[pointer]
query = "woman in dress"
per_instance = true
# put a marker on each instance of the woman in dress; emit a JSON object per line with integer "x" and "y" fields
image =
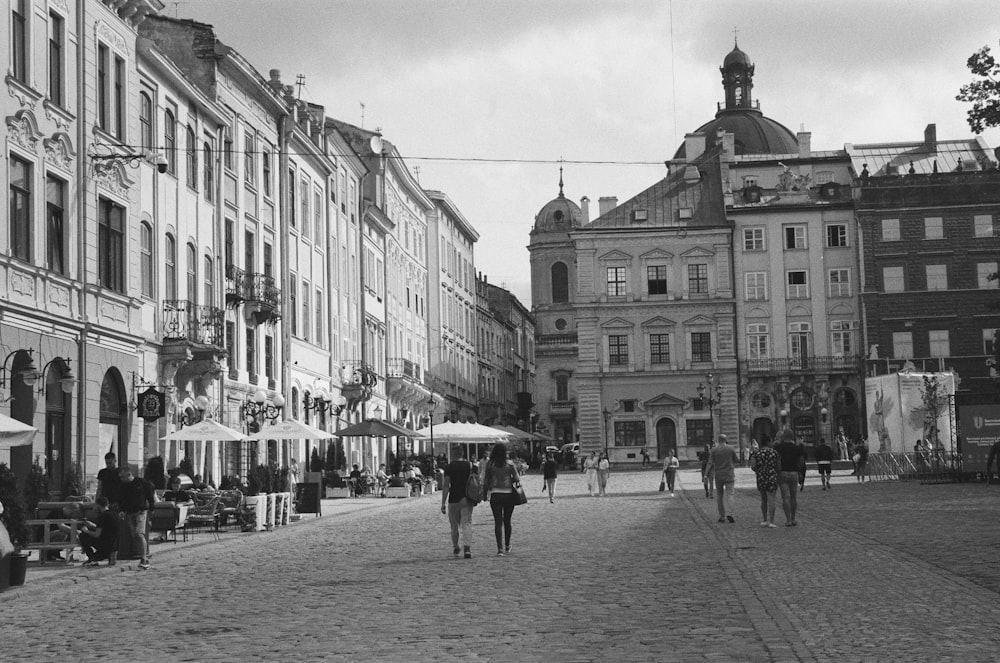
{"x": 590, "y": 469}
{"x": 499, "y": 477}
{"x": 549, "y": 474}
{"x": 603, "y": 472}
{"x": 765, "y": 462}
{"x": 670, "y": 466}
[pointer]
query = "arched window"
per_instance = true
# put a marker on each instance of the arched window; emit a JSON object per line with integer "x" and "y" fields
{"x": 192, "y": 274}
{"x": 146, "y": 121}
{"x": 112, "y": 419}
{"x": 170, "y": 142}
{"x": 58, "y": 423}
{"x": 560, "y": 283}
{"x": 192, "y": 159}
{"x": 170, "y": 261}
{"x": 146, "y": 258}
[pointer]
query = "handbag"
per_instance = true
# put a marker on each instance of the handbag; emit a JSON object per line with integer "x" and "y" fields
{"x": 474, "y": 486}
{"x": 519, "y": 495}
{"x": 663, "y": 485}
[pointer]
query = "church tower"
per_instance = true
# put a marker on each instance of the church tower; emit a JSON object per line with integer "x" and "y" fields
{"x": 737, "y": 79}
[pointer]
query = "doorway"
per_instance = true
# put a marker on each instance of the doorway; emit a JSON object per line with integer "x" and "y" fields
{"x": 762, "y": 428}
{"x": 666, "y": 437}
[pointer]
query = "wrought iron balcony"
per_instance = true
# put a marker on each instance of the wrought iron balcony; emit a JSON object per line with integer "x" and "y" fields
{"x": 785, "y": 366}
{"x": 183, "y": 320}
{"x": 404, "y": 368}
{"x": 254, "y": 289}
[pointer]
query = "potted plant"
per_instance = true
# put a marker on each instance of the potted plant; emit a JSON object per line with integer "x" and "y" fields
{"x": 14, "y": 519}
{"x": 73, "y": 483}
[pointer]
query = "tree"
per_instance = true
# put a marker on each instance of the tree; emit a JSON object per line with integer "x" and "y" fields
{"x": 984, "y": 93}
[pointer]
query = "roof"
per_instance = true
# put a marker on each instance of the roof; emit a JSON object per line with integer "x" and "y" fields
{"x": 753, "y": 133}
{"x": 924, "y": 157}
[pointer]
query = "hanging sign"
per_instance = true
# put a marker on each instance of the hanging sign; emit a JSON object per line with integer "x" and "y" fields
{"x": 152, "y": 404}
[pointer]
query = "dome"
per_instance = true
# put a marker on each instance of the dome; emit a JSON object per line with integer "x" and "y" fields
{"x": 736, "y": 56}
{"x": 753, "y": 133}
{"x": 560, "y": 213}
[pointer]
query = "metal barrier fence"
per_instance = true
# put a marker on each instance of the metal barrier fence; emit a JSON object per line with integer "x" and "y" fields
{"x": 930, "y": 467}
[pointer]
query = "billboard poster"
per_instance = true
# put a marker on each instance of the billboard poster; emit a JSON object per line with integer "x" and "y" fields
{"x": 897, "y": 416}
{"x": 980, "y": 426}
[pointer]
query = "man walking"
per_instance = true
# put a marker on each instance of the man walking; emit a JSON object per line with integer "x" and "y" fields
{"x": 455, "y": 503}
{"x": 824, "y": 462}
{"x": 707, "y": 479}
{"x": 136, "y": 498}
{"x": 788, "y": 476}
{"x": 722, "y": 463}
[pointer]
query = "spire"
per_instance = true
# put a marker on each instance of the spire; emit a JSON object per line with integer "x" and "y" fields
{"x": 560, "y": 179}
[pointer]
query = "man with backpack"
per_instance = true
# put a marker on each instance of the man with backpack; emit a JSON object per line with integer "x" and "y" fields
{"x": 457, "y": 503}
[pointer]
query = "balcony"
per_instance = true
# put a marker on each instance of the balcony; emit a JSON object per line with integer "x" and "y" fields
{"x": 792, "y": 365}
{"x": 968, "y": 368}
{"x": 556, "y": 339}
{"x": 194, "y": 323}
{"x": 404, "y": 368}
{"x": 259, "y": 293}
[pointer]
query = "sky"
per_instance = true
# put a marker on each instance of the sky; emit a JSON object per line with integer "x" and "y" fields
{"x": 501, "y": 90}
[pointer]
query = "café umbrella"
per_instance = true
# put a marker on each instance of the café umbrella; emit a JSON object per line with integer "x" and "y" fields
{"x": 376, "y": 428}
{"x": 207, "y": 430}
{"x": 14, "y": 433}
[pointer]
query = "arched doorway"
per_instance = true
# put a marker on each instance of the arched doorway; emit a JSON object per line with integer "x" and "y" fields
{"x": 22, "y": 396}
{"x": 845, "y": 413}
{"x": 762, "y": 427}
{"x": 113, "y": 427}
{"x": 666, "y": 437}
{"x": 58, "y": 425}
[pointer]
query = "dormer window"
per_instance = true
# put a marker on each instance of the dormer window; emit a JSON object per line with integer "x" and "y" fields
{"x": 639, "y": 216}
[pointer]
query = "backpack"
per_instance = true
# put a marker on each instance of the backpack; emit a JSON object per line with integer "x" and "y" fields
{"x": 474, "y": 486}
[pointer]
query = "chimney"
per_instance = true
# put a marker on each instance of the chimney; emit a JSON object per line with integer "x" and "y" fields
{"x": 728, "y": 142}
{"x": 930, "y": 138}
{"x": 585, "y": 209}
{"x": 805, "y": 143}
{"x": 694, "y": 146}
{"x": 275, "y": 82}
{"x": 606, "y": 203}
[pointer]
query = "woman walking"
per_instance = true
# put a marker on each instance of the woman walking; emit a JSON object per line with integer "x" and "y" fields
{"x": 590, "y": 468}
{"x": 549, "y": 475}
{"x": 603, "y": 472}
{"x": 670, "y": 466}
{"x": 499, "y": 477}
{"x": 765, "y": 463}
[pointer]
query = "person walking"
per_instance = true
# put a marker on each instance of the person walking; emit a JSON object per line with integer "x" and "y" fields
{"x": 802, "y": 466}
{"x": 707, "y": 477}
{"x": 788, "y": 475}
{"x": 824, "y": 462}
{"x": 861, "y": 454}
{"x": 456, "y": 503}
{"x": 499, "y": 476}
{"x": 590, "y": 468}
{"x": 603, "y": 473}
{"x": 645, "y": 457}
{"x": 549, "y": 476}
{"x": 765, "y": 463}
{"x": 136, "y": 498}
{"x": 722, "y": 461}
{"x": 670, "y": 466}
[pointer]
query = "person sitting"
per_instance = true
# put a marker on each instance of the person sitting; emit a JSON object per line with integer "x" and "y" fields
{"x": 382, "y": 478}
{"x": 352, "y": 479}
{"x": 200, "y": 485}
{"x": 175, "y": 494}
{"x": 99, "y": 540}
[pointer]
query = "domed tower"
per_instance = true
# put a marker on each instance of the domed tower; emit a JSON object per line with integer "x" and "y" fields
{"x": 553, "y": 265}
{"x": 753, "y": 133}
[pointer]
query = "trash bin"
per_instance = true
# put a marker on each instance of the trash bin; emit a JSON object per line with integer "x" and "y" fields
{"x": 18, "y": 568}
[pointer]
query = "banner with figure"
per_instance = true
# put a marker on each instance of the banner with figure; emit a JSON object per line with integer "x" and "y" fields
{"x": 900, "y": 411}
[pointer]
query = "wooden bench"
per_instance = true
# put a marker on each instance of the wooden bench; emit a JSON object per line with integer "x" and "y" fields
{"x": 47, "y": 543}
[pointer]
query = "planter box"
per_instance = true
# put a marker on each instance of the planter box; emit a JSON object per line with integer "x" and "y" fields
{"x": 259, "y": 502}
{"x": 337, "y": 493}
{"x": 397, "y": 491}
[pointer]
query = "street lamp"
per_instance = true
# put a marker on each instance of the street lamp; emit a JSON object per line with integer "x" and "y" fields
{"x": 197, "y": 414}
{"x": 431, "y": 403}
{"x": 607, "y": 418}
{"x": 29, "y": 374}
{"x": 258, "y": 409}
{"x": 377, "y": 412}
{"x": 714, "y": 392}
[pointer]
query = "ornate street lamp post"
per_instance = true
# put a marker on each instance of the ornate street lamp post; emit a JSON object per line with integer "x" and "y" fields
{"x": 710, "y": 392}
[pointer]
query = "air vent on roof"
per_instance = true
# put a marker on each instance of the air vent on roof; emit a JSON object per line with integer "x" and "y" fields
{"x": 639, "y": 215}
{"x": 685, "y": 213}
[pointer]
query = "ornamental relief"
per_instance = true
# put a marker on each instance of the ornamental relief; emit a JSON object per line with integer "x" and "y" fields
{"x": 59, "y": 4}
{"x": 26, "y": 97}
{"x": 114, "y": 311}
{"x": 23, "y": 129}
{"x": 107, "y": 34}
{"x": 59, "y": 152}
{"x": 58, "y": 296}
{"x": 113, "y": 179}
{"x": 22, "y": 284}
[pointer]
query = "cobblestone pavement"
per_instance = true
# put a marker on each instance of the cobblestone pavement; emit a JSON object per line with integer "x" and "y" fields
{"x": 873, "y": 572}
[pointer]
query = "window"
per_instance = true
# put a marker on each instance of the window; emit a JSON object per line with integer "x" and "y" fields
{"x": 111, "y": 245}
{"x": 103, "y": 62}
{"x": 630, "y": 434}
{"x": 19, "y": 41}
{"x": 659, "y": 348}
{"x": 656, "y": 279}
{"x": 934, "y": 227}
{"x": 755, "y": 286}
{"x": 616, "y": 281}
{"x": 893, "y": 280}
{"x": 56, "y": 42}
{"x": 699, "y": 432}
{"x": 562, "y": 387}
{"x": 749, "y": 181}
{"x": 984, "y": 225}
{"x": 618, "y": 350}
{"x": 836, "y": 235}
{"x": 798, "y": 340}
{"x": 840, "y": 282}
{"x": 291, "y": 197}
{"x": 192, "y": 159}
{"x": 319, "y": 317}
{"x": 937, "y": 277}
{"x": 20, "y": 208}
{"x": 170, "y": 261}
{"x": 146, "y": 259}
{"x": 753, "y": 239}
{"x": 231, "y": 346}
{"x": 798, "y": 284}
{"x": 698, "y": 279}
{"x": 824, "y": 176}
{"x": 842, "y": 337}
{"x": 938, "y": 342}
{"x": 192, "y": 274}
{"x": 560, "y": 283}
{"x": 902, "y": 345}
{"x": 318, "y": 216}
{"x": 701, "y": 346}
{"x": 209, "y": 279}
{"x": 229, "y": 250}
{"x": 170, "y": 141}
{"x": 119, "y": 98}
{"x": 795, "y": 237}
{"x": 269, "y": 357}
{"x": 890, "y": 230}
{"x": 306, "y": 317}
{"x": 251, "y": 352}
{"x": 265, "y": 163}
{"x": 249, "y": 166}
{"x": 984, "y": 270}
{"x": 304, "y": 202}
{"x": 55, "y": 203}
{"x": 209, "y": 172}
{"x": 758, "y": 338}
{"x": 989, "y": 341}
{"x": 146, "y": 122}
{"x": 293, "y": 305}
{"x": 227, "y": 148}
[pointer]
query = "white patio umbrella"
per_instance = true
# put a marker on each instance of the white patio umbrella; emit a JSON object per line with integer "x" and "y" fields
{"x": 206, "y": 430}
{"x": 13, "y": 433}
{"x": 291, "y": 430}
{"x": 465, "y": 432}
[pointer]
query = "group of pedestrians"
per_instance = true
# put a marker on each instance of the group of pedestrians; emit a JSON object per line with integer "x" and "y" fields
{"x": 128, "y": 499}
{"x": 597, "y": 467}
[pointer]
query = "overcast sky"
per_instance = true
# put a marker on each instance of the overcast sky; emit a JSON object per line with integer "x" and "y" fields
{"x": 601, "y": 80}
